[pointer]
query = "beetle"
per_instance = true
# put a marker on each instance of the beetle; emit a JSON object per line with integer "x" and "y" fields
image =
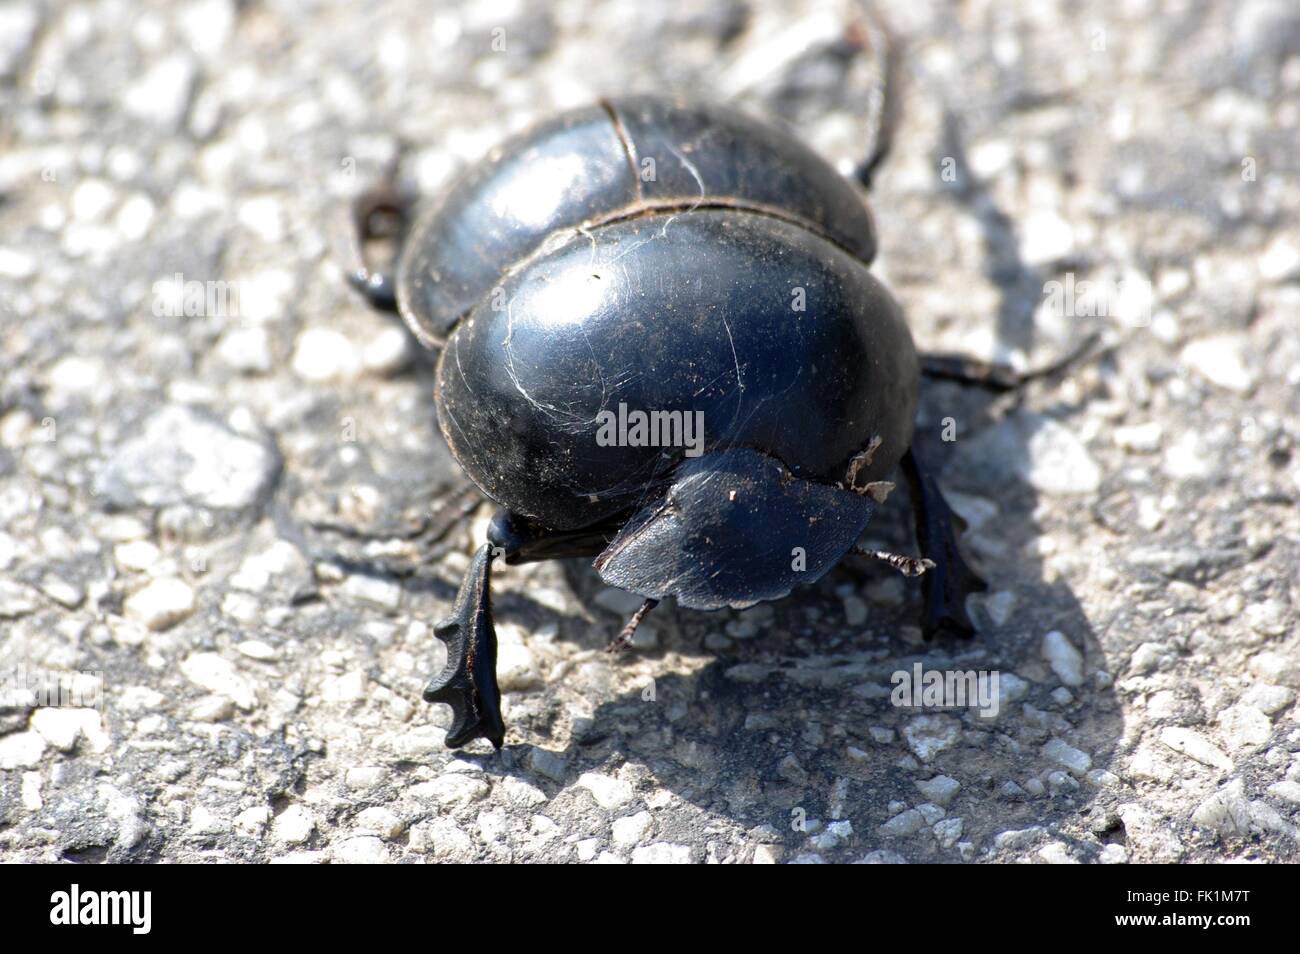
{"x": 650, "y": 256}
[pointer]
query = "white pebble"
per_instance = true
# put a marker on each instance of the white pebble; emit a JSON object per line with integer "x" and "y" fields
{"x": 161, "y": 603}
{"x": 1066, "y": 661}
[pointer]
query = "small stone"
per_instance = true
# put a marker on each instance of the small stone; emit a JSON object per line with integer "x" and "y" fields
{"x": 889, "y": 591}
{"x": 381, "y": 592}
{"x": 836, "y": 834}
{"x": 1113, "y": 855}
{"x": 1066, "y": 661}
{"x": 882, "y": 857}
{"x": 630, "y": 829}
{"x": 387, "y": 352}
{"x": 948, "y": 831}
{"x": 1281, "y": 260}
{"x": 1016, "y": 838}
{"x": 517, "y": 668}
{"x": 218, "y": 675}
{"x": 551, "y": 764}
{"x": 743, "y": 628}
{"x": 1062, "y": 753}
{"x": 941, "y": 789}
{"x": 1195, "y": 746}
{"x": 16, "y": 600}
{"x": 1057, "y": 854}
{"x": 1139, "y": 437}
{"x": 62, "y": 727}
{"x": 256, "y": 649}
{"x": 365, "y": 776}
{"x": 1220, "y": 360}
{"x": 138, "y": 555}
{"x": 21, "y": 750}
{"x": 766, "y": 855}
{"x": 1276, "y": 668}
{"x": 30, "y": 792}
{"x": 263, "y": 216}
{"x": 999, "y": 606}
{"x": 1146, "y": 658}
{"x": 380, "y": 821}
{"x": 1244, "y": 727}
{"x": 1011, "y": 689}
{"x": 928, "y": 735}
{"x": 662, "y": 853}
{"x": 280, "y": 564}
{"x": 930, "y": 812}
{"x": 187, "y": 456}
{"x": 360, "y": 850}
{"x": 321, "y": 354}
{"x": 91, "y": 200}
{"x": 162, "y": 94}
{"x": 293, "y": 826}
{"x": 18, "y": 23}
{"x": 204, "y": 822}
{"x": 1268, "y": 618}
{"x": 161, "y": 603}
{"x": 1286, "y": 790}
{"x": 855, "y": 610}
{"x": 253, "y": 821}
{"x": 1035, "y": 449}
{"x": 247, "y": 350}
{"x": 1045, "y": 237}
{"x": 212, "y": 708}
{"x": 62, "y": 592}
{"x": 1268, "y": 699}
{"x": 903, "y": 824}
{"x": 608, "y": 792}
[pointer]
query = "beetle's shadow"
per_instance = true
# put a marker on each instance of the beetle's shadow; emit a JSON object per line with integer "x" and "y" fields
{"x": 793, "y": 727}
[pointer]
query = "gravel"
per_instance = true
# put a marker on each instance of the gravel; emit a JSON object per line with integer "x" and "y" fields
{"x": 215, "y": 462}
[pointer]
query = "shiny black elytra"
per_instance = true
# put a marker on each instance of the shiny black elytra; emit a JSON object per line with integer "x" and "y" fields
{"x": 679, "y": 258}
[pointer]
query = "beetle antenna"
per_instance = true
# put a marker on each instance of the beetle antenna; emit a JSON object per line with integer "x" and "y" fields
{"x": 624, "y": 639}
{"x": 906, "y": 565}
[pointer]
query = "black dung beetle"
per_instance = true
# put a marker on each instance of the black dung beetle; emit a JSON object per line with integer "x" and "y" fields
{"x": 661, "y": 347}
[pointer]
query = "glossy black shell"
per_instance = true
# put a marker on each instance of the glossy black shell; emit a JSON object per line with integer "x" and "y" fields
{"x": 608, "y": 161}
{"x": 563, "y": 285}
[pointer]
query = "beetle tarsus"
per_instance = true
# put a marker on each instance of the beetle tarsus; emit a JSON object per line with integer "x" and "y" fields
{"x": 624, "y": 639}
{"x": 468, "y": 682}
{"x": 951, "y": 580}
{"x": 378, "y": 213}
{"x": 906, "y": 565}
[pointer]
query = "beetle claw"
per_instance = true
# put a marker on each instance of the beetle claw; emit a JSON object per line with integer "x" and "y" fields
{"x": 468, "y": 682}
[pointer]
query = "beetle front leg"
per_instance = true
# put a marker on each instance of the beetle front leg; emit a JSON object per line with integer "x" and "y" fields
{"x": 468, "y": 682}
{"x": 951, "y": 579}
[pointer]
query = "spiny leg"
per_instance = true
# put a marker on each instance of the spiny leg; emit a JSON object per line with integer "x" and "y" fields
{"x": 951, "y": 580}
{"x": 468, "y": 682}
{"x": 906, "y": 565}
{"x": 874, "y": 34}
{"x": 995, "y": 377}
{"x": 624, "y": 639}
